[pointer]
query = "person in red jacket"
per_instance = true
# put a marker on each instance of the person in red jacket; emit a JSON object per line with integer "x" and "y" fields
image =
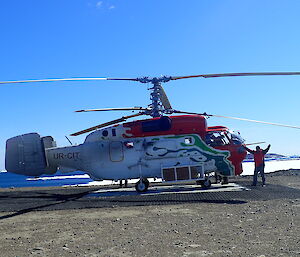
{"x": 259, "y": 160}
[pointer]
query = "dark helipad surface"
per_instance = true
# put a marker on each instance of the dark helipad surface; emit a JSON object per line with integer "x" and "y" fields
{"x": 22, "y": 201}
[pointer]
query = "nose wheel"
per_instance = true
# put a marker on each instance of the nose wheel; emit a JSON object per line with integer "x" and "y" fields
{"x": 204, "y": 183}
{"x": 142, "y": 185}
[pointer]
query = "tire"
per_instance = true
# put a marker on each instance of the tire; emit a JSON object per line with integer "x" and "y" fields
{"x": 206, "y": 183}
{"x": 225, "y": 181}
{"x": 142, "y": 185}
{"x": 146, "y": 181}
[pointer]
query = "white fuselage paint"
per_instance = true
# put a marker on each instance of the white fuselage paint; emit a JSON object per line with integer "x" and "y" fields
{"x": 128, "y": 158}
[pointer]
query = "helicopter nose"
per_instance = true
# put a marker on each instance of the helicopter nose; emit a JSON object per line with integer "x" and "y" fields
{"x": 241, "y": 150}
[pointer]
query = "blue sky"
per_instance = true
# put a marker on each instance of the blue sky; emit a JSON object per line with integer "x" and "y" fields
{"x": 118, "y": 38}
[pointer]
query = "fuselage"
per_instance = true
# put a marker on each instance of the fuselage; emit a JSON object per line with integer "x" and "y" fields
{"x": 144, "y": 148}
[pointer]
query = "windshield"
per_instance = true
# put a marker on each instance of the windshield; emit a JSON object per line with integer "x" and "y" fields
{"x": 236, "y": 138}
{"x": 216, "y": 138}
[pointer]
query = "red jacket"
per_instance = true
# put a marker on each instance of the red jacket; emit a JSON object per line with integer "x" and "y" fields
{"x": 259, "y": 155}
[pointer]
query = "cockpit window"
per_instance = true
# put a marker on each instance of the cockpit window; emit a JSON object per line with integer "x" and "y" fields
{"x": 236, "y": 138}
{"x": 216, "y": 138}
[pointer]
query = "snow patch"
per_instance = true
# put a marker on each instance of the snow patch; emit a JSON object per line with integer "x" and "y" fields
{"x": 272, "y": 166}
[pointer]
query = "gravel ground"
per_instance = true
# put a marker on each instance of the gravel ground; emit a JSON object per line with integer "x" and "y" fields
{"x": 263, "y": 221}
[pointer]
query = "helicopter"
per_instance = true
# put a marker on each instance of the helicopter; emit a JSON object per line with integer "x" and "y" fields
{"x": 172, "y": 145}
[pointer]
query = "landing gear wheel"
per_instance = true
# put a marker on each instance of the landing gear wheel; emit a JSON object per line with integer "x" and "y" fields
{"x": 147, "y": 182}
{"x": 225, "y": 181}
{"x": 142, "y": 185}
{"x": 206, "y": 183}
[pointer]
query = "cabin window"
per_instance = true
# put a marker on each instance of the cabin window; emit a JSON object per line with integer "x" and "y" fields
{"x": 114, "y": 132}
{"x": 161, "y": 124}
{"x": 216, "y": 138}
{"x": 105, "y": 133}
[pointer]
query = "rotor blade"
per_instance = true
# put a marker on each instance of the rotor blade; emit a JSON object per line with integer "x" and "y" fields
{"x": 218, "y": 75}
{"x": 130, "y": 79}
{"x": 106, "y": 124}
{"x": 64, "y": 79}
{"x": 235, "y": 118}
{"x": 258, "y": 143}
{"x": 176, "y": 111}
{"x": 164, "y": 99}
{"x": 116, "y": 109}
{"x": 256, "y": 121}
{"x": 172, "y": 78}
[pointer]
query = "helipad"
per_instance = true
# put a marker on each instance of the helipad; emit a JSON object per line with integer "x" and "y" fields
{"x": 168, "y": 189}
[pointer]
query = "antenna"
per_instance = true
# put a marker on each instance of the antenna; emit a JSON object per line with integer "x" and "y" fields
{"x": 69, "y": 140}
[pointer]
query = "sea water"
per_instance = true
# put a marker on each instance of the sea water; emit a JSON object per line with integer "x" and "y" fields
{"x": 8, "y": 180}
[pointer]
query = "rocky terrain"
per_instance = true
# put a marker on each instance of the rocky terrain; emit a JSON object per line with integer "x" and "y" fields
{"x": 262, "y": 221}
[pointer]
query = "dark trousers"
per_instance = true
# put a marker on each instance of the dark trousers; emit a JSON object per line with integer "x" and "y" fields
{"x": 259, "y": 169}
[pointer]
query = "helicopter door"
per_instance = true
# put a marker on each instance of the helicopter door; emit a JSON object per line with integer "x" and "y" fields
{"x": 116, "y": 152}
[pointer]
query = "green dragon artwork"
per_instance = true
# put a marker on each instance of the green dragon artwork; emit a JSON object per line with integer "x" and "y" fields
{"x": 195, "y": 150}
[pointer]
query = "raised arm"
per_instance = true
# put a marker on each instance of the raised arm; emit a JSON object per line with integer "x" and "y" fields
{"x": 267, "y": 149}
{"x": 248, "y": 150}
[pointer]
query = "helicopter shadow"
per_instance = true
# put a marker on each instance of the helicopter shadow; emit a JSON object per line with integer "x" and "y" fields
{"x": 25, "y": 202}
{"x": 18, "y": 202}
